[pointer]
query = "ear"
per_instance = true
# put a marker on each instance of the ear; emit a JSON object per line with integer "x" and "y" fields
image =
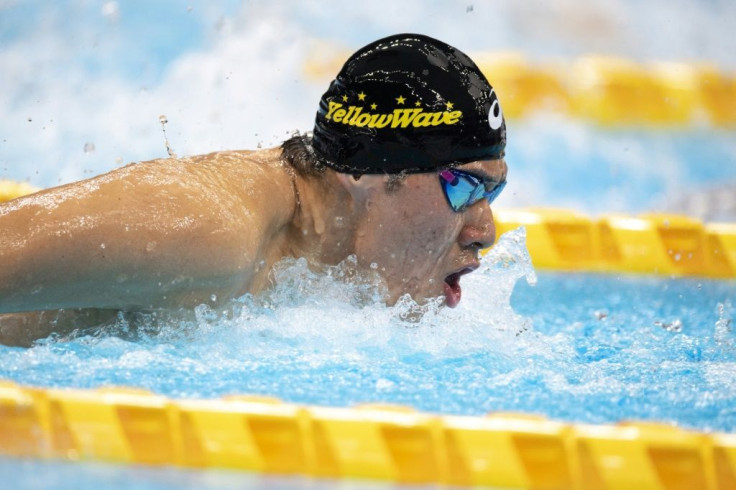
{"x": 364, "y": 187}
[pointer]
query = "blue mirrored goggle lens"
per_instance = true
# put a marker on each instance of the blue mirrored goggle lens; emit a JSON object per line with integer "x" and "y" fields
{"x": 463, "y": 189}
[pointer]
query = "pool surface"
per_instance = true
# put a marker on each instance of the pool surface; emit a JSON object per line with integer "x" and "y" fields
{"x": 88, "y": 80}
{"x": 572, "y": 347}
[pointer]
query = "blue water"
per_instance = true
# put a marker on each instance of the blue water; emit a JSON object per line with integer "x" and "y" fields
{"x": 84, "y": 83}
{"x": 573, "y": 347}
{"x": 46, "y": 475}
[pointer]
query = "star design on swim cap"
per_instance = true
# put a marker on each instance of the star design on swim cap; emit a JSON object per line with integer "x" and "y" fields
{"x": 418, "y": 104}
{"x": 374, "y": 107}
{"x": 361, "y": 96}
{"x": 344, "y": 98}
{"x": 400, "y": 100}
{"x": 449, "y": 105}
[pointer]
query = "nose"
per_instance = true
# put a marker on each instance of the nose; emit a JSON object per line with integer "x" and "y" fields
{"x": 479, "y": 229}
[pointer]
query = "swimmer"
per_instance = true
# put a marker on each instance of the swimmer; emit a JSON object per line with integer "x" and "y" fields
{"x": 406, "y": 155}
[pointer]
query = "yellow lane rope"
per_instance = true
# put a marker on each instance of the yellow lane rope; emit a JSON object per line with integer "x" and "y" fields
{"x": 378, "y": 442}
{"x": 665, "y": 244}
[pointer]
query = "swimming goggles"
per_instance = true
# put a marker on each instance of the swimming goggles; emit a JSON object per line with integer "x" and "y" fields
{"x": 463, "y": 189}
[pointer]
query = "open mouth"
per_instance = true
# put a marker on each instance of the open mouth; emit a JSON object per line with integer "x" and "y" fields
{"x": 453, "y": 291}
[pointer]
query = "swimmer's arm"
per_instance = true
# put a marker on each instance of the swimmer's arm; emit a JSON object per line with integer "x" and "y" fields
{"x": 22, "y": 329}
{"x": 150, "y": 235}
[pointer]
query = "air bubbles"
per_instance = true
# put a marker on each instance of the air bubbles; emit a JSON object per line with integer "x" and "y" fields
{"x": 374, "y": 266}
{"x": 213, "y": 298}
{"x": 383, "y": 384}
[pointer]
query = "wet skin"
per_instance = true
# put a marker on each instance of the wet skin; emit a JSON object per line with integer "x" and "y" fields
{"x": 419, "y": 244}
{"x": 175, "y": 233}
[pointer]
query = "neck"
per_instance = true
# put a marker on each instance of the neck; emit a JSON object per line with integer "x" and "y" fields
{"x": 323, "y": 227}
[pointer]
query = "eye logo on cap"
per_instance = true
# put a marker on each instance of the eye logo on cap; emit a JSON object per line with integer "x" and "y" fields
{"x": 495, "y": 114}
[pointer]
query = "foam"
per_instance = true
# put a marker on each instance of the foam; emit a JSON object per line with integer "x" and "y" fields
{"x": 579, "y": 348}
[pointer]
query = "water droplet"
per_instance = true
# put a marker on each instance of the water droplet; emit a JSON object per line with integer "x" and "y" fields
{"x": 213, "y": 298}
{"x": 30, "y": 120}
{"x": 339, "y": 221}
{"x": 89, "y": 147}
{"x": 102, "y": 245}
{"x": 675, "y": 326}
{"x": 111, "y": 11}
{"x": 374, "y": 266}
{"x": 162, "y": 119}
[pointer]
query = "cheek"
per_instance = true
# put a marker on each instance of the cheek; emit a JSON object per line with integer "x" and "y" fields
{"x": 408, "y": 228}
{"x": 424, "y": 233}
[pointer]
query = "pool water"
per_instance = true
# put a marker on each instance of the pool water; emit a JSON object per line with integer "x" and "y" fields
{"x": 44, "y": 475}
{"x": 573, "y": 347}
{"x": 84, "y": 95}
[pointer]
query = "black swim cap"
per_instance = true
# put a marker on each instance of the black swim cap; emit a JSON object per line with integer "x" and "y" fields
{"x": 408, "y": 103}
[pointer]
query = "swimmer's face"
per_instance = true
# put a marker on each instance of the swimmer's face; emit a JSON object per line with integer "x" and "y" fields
{"x": 418, "y": 243}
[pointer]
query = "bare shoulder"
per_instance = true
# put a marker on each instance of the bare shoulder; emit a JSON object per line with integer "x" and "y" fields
{"x": 259, "y": 179}
{"x": 172, "y": 231}
{"x": 239, "y": 186}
